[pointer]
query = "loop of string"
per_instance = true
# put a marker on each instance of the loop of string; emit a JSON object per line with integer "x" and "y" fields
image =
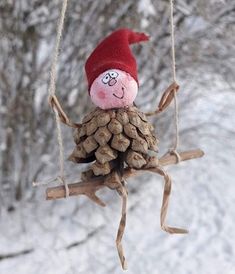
{"x": 52, "y": 93}
{"x": 176, "y": 108}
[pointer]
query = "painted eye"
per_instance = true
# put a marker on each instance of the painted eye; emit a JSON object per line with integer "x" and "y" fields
{"x": 113, "y": 74}
{"x": 106, "y": 78}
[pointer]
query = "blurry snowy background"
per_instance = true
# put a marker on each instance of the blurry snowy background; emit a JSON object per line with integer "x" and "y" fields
{"x": 74, "y": 235}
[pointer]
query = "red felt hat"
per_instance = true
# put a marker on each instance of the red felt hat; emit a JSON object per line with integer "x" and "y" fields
{"x": 114, "y": 52}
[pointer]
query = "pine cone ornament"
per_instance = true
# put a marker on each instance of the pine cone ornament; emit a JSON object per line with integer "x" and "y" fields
{"x": 116, "y": 138}
{"x": 113, "y": 139}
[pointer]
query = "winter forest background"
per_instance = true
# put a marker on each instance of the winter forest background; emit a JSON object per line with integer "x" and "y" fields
{"x": 74, "y": 235}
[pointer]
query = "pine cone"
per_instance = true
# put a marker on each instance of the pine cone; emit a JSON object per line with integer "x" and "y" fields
{"x": 109, "y": 137}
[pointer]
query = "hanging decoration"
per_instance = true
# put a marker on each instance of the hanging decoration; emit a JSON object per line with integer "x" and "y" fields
{"x": 116, "y": 137}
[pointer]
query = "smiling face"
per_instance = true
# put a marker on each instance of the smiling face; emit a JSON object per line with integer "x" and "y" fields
{"x": 113, "y": 88}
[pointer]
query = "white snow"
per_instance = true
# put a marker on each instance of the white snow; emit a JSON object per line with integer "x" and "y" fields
{"x": 202, "y": 200}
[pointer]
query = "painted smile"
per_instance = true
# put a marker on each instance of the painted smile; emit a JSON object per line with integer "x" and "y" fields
{"x": 123, "y": 93}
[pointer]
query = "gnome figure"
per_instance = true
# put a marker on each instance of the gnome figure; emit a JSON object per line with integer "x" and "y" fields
{"x": 116, "y": 134}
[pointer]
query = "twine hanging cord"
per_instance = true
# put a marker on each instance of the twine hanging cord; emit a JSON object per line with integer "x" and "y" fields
{"x": 176, "y": 106}
{"x": 170, "y": 92}
{"x": 52, "y": 97}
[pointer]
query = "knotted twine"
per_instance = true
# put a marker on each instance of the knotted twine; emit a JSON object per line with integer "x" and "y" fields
{"x": 52, "y": 94}
{"x": 176, "y": 106}
{"x": 167, "y": 179}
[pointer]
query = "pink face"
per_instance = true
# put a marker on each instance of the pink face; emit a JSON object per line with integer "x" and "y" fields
{"x": 113, "y": 88}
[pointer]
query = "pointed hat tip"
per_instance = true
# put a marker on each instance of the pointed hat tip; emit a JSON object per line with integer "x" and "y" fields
{"x": 135, "y": 37}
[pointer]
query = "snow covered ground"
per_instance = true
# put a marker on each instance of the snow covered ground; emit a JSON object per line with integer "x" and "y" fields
{"x": 75, "y": 236}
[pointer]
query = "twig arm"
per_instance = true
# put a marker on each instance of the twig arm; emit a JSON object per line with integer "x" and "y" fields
{"x": 56, "y": 106}
{"x": 89, "y": 188}
{"x": 166, "y": 99}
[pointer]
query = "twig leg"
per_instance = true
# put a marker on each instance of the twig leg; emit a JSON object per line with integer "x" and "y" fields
{"x": 123, "y": 193}
{"x": 165, "y": 203}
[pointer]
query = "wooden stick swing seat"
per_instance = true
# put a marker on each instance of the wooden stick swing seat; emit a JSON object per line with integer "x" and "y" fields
{"x": 89, "y": 188}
